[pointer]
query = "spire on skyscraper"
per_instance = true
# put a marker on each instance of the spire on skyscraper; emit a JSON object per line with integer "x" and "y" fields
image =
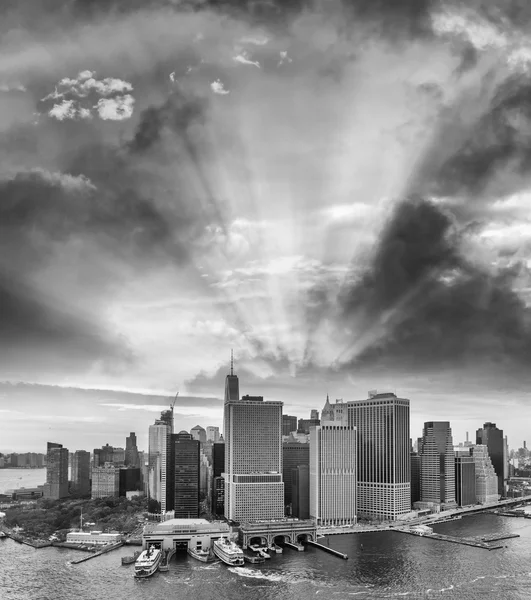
{"x": 231, "y": 362}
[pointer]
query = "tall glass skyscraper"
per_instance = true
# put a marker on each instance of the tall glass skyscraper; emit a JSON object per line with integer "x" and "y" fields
{"x": 492, "y": 437}
{"x": 253, "y": 456}
{"x": 382, "y": 424}
{"x": 185, "y": 459}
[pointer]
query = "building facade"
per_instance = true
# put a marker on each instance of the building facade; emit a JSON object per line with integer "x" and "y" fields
{"x": 131, "y": 458}
{"x": 492, "y": 437}
{"x": 186, "y": 461}
{"x": 289, "y": 424}
{"x": 212, "y": 434}
{"x": 333, "y": 474}
{"x": 217, "y": 502}
{"x": 105, "y": 481}
{"x": 158, "y": 461}
{"x": 384, "y": 470}
{"x": 465, "y": 479}
{"x": 300, "y": 492}
{"x": 486, "y": 478}
{"x": 81, "y": 472}
{"x": 56, "y": 485}
{"x": 437, "y": 471}
{"x": 415, "y": 477}
{"x": 198, "y": 433}
{"x": 294, "y": 454}
{"x": 253, "y": 456}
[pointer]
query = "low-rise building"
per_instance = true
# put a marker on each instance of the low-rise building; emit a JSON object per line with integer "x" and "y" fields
{"x": 92, "y": 538}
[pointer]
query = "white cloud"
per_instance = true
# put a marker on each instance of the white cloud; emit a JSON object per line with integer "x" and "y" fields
{"x": 243, "y": 59}
{"x": 115, "y": 109}
{"x": 284, "y": 58}
{"x": 65, "y": 110}
{"x": 12, "y": 87}
{"x": 258, "y": 40}
{"x": 218, "y": 88}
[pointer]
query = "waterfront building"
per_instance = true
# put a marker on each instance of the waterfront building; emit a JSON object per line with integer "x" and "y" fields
{"x": 56, "y": 485}
{"x": 81, "y": 472}
{"x": 131, "y": 451}
{"x": 186, "y": 462}
{"x": 289, "y": 424}
{"x": 212, "y": 434}
{"x": 486, "y": 477}
{"x": 217, "y": 502}
{"x": 105, "y": 481}
{"x": 465, "y": 478}
{"x": 294, "y": 454}
{"x": 384, "y": 470}
{"x": 437, "y": 471}
{"x": 492, "y": 437}
{"x": 333, "y": 474}
{"x": 182, "y": 533}
{"x": 253, "y": 456}
{"x": 415, "y": 477}
{"x": 198, "y": 433}
{"x": 300, "y": 492}
{"x": 93, "y": 538}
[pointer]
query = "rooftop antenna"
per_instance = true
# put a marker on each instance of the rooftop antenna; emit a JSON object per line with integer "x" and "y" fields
{"x": 231, "y": 362}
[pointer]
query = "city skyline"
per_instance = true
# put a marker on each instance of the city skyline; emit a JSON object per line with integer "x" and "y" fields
{"x": 345, "y": 215}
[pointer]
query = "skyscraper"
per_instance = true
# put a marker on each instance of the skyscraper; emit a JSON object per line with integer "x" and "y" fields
{"x": 492, "y": 437}
{"x": 333, "y": 474}
{"x": 158, "y": 460}
{"x": 131, "y": 451}
{"x": 300, "y": 492}
{"x": 103, "y": 455}
{"x": 289, "y": 424}
{"x": 465, "y": 478}
{"x": 437, "y": 460}
{"x": 218, "y": 483}
{"x": 198, "y": 433}
{"x": 81, "y": 472}
{"x": 382, "y": 424}
{"x": 186, "y": 456}
{"x": 253, "y": 456}
{"x": 56, "y": 485}
{"x": 294, "y": 454}
{"x": 212, "y": 434}
{"x": 486, "y": 477}
{"x": 415, "y": 477}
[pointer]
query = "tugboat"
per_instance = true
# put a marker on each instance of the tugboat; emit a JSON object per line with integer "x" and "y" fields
{"x": 228, "y": 552}
{"x": 148, "y": 562}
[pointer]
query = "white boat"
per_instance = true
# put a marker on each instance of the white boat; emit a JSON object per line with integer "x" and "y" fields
{"x": 275, "y": 548}
{"x": 200, "y": 554}
{"x": 148, "y": 562}
{"x": 259, "y": 550}
{"x": 228, "y": 552}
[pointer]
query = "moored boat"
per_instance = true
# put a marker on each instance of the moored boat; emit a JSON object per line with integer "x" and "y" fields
{"x": 227, "y": 551}
{"x": 129, "y": 560}
{"x": 252, "y": 558}
{"x": 200, "y": 554}
{"x": 148, "y": 562}
{"x": 275, "y": 548}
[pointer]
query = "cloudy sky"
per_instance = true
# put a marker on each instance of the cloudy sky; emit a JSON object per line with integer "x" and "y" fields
{"x": 341, "y": 192}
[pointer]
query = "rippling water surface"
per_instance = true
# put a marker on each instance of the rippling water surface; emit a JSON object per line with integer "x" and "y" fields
{"x": 389, "y": 565}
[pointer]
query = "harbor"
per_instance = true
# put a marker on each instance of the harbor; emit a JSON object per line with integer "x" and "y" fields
{"x": 486, "y": 542}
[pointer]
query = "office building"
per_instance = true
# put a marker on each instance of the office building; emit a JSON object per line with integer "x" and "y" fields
{"x": 294, "y": 454}
{"x": 160, "y": 473}
{"x": 486, "y": 477}
{"x": 465, "y": 478}
{"x": 305, "y": 425}
{"x": 105, "y": 481}
{"x": 333, "y": 474}
{"x": 437, "y": 471}
{"x": 384, "y": 470}
{"x": 492, "y": 437}
{"x": 129, "y": 480}
{"x": 217, "y": 502}
{"x": 131, "y": 458}
{"x": 300, "y": 492}
{"x": 103, "y": 455}
{"x": 198, "y": 433}
{"x": 212, "y": 434}
{"x": 81, "y": 472}
{"x": 56, "y": 485}
{"x": 253, "y": 456}
{"x": 289, "y": 424}
{"x": 415, "y": 477}
{"x": 186, "y": 461}
{"x": 334, "y": 412}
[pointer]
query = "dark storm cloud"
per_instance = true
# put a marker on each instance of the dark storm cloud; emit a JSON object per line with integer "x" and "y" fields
{"x": 37, "y": 333}
{"x": 395, "y": 16}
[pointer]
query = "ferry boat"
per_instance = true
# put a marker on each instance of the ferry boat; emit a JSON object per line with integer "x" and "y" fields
{"x": 148, "y": 562}
{"x": 200, "y": 554}
{"x": 228, "y": 552}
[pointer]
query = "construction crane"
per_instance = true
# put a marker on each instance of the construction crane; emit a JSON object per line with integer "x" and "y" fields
{"x": 171, "y": 408}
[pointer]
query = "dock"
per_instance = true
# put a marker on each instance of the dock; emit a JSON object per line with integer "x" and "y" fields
{"x": 297, "y": 547}
{"x": 328, "y": 549}
{"x": 108, "y": 548}
{"x": 486, "y": 542}
{"x": 165, "y": 562}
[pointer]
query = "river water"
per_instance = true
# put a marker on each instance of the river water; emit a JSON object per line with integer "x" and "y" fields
{"x": 380, "y": 565}
{"x": 12, "y": 479}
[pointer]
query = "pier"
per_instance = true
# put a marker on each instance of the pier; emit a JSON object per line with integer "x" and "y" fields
{"x": 298, "y": 547}
{"x": 487, "y": 542}
{"x": 108, "y": 548}
{"x": 165, "y": 562}
{"x": 328, "y": 549}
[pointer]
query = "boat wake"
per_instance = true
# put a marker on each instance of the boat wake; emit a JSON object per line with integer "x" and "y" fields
{"x": 244, "y": 572}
